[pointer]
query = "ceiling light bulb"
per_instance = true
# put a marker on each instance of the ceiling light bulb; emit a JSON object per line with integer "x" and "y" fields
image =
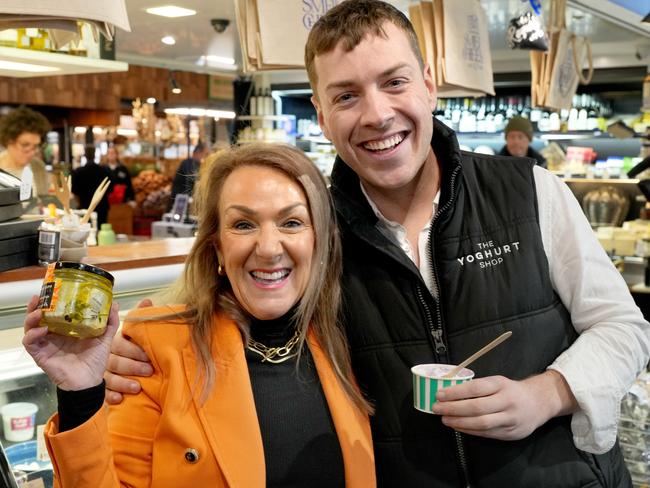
{"x": 151, "y": 100}
{"x": 171, "y": 11}
{"x": 169, "y": 40}
{"x": 176, "y": 90}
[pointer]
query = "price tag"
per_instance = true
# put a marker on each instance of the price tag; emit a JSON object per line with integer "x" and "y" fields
{"x": 41, "y": 451}
{"x": 26, "y": 180}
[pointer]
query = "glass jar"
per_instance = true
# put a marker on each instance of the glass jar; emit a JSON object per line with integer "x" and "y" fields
{"x": 76, "y": 299}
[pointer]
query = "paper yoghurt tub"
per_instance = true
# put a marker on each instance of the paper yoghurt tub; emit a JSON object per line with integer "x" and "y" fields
{"x": 427, "y": 380}
{"x": 19, "y": 420}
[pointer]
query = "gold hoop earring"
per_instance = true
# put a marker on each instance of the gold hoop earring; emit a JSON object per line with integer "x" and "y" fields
{"x": 221, "y": 271}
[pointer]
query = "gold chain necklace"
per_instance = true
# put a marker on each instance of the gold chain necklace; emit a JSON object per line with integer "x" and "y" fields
{"x": 275, "y": 355}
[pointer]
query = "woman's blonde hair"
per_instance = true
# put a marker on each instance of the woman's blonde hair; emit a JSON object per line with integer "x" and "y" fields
{"x": 205, "y": 292}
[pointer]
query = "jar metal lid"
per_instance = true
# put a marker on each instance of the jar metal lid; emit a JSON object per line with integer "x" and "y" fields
{"x": 85, "y": 267}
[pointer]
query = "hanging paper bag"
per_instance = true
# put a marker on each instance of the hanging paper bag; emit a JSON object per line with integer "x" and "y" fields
{"x": 466, "y": 58}
{"x": 567, "y": 72}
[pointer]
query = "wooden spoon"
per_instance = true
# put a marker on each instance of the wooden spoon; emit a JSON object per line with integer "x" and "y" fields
{"x": 63, "y": 191}
{"x": 488, "y": 347}
{"x": 97, "y": 197}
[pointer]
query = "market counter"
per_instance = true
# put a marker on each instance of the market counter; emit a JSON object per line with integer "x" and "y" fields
{"x": 124, "y": 255}
{"x": 140, "y": 268}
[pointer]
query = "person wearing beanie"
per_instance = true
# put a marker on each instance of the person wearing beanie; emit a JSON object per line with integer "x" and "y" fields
{"x": 519, "y": 133}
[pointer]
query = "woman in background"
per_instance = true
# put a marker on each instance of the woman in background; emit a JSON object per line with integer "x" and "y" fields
{"x": 22, "y": 132}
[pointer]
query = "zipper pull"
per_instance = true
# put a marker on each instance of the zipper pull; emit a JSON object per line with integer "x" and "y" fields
{"x": 441, "y": 348}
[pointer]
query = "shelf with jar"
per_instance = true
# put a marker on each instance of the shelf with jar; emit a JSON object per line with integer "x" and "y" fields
{"x": 267, "y": 128}
{"x": 31, "y": 52}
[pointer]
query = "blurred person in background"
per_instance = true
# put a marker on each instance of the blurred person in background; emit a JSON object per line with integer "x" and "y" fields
{"x": 85, "y": 181}
{"x": 121, "y": 190}
{"x": 22, "y": 132}
{"x": 519, "y": 134}
{"x": 187, "y": 172}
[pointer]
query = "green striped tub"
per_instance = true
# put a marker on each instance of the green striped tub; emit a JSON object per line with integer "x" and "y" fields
{"x": 427, "y": 381}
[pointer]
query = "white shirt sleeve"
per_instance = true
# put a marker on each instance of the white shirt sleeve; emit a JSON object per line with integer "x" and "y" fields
{"x": 614, "y": 342}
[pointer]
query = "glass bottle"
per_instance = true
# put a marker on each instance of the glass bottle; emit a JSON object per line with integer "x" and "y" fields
{"x": 23, "y": 40}
{"x": 106, "y": 235}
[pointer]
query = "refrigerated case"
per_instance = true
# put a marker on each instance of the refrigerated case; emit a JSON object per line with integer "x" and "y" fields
{"x": 141, "y": 269}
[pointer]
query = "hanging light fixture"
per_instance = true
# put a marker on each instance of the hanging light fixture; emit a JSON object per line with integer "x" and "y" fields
{"x": 173, "y": 84}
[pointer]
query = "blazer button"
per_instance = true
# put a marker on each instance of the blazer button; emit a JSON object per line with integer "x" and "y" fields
{"x": 191, "y": 455}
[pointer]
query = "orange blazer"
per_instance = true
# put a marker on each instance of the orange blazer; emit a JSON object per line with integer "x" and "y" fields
{"x": 164, "y": 437}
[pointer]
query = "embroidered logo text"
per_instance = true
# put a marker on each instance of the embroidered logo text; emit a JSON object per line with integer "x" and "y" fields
{"x": 489, "y": 254}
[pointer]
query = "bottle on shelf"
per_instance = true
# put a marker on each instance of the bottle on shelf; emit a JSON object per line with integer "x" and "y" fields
{"x": 23, "y": 40}
{"x": 490, "y": 114}
{"x": 41, "y": 41}
{"x": 253, "y": 102}
{"x": 269, "y": 108}
{"x": 106, "y": 235}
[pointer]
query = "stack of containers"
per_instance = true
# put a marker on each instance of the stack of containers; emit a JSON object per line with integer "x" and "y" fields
{"x": 634, "y": 430}
{"x": 18, "y": 238}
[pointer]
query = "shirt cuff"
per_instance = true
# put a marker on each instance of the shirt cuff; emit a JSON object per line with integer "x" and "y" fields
{"x": 595, "y": 425}
{"x": 76, "y": 407}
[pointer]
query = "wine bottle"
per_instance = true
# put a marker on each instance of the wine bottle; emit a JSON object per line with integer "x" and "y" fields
{"x": 253, "y": 103}
{"x": 269, "y": 108}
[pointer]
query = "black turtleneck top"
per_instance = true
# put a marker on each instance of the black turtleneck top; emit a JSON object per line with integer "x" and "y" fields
{"x": 301, "y": 448}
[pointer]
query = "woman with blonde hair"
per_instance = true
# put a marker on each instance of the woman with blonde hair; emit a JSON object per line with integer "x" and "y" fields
{"x": 252, "y": 383}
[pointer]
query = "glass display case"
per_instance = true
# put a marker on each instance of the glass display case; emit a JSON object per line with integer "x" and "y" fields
{"x": 140, "y": 270}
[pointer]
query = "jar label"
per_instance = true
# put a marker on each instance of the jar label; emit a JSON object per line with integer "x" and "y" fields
{"x": 49, "y": 291}
{"x": 49, "y": 245}
{"x": 21, "y": 423}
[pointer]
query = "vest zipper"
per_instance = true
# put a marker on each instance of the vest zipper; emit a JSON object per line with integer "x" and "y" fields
{"x": 460, "y": 450}
{"x": 437, "y": 330}
{"x": 436, "y": 333}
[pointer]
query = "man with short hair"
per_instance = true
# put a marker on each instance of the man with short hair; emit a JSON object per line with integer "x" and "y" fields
{"x": 519, "y": 135}
{"x": 443, "y": 251}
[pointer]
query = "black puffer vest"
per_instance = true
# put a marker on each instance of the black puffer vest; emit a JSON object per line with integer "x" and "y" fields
{"x": 492, "y": 275}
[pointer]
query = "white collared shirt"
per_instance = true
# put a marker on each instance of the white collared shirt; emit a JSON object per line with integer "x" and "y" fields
{"x": 614, "y": 342}
{"x": 396, "y": 232}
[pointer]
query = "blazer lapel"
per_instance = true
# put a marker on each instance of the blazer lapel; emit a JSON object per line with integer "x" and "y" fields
{"x": 228, "y": 416}
{"x": 352, "y": 426}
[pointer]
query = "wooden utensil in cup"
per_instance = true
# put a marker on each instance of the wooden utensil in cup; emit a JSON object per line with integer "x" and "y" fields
{"x": 63, "y": 191}
{"x": 488, "y": 347}
{"x": 97, "y": 197}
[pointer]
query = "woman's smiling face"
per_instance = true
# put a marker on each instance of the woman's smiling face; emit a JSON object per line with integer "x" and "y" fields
{"x": 266, "y": 240}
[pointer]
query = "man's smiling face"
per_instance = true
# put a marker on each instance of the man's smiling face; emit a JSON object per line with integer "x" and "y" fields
{"x": 374, "y": 103}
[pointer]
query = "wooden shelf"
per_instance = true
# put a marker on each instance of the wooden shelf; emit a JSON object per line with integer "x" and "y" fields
{"x": 60, "y": 64}
{"x": 126, "y": 255}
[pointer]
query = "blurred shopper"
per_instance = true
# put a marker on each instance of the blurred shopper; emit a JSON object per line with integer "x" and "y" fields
{"x": 519, "y": 134}
{"x": 187, "y": 172}
{"x": 121, "y": 186}
{"x": 85, "y": 181}
{"x": 22, "y": 132}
